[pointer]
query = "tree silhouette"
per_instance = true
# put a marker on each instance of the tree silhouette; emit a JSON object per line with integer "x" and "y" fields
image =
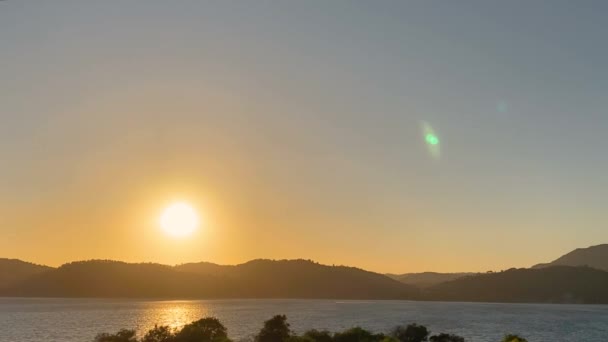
{"x": 411, "y": 333}
{"x": 161, "y": 333}
{"x": 446, "y": 338}
{"x": 513, "y": 338}
{"x": 357, "y": 334}
{"x": 123, "y": 335}
{"x": 208, "y": 329}
{"x": 318, "y": 336}
{"x": 275, "y": 329}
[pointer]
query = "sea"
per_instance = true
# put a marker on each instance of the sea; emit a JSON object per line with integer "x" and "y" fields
{"x": 79, "y": 320}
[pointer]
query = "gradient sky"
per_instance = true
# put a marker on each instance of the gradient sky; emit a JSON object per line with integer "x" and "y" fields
{"x": 295, "y": 128}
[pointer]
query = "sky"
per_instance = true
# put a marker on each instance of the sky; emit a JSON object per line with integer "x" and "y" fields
{"x": 297, "y": 130}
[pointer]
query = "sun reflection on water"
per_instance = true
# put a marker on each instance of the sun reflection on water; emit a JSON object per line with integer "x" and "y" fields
{"x": 174, "y": 314}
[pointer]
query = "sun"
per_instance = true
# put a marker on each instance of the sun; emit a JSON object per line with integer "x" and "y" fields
{"x": 179, "y": 219}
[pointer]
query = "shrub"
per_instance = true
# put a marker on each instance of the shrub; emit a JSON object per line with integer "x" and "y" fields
{"x": 446, "y": 338}
{"x": 208, "y": 329}
{"x": 357, "y": 334}
{"x": 318, "y": 336}
{"x": 411, "y": 333}
{"x": 513, "y": 338}
{"x": 275, "y": 329}
{"x": 159, "y": 334}
{"x": 123, "y": 335}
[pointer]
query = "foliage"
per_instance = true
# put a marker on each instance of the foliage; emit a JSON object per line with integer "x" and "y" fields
{"x": 446, "y": 338}
{"x": 275, "y": 329}
{"x": 357, "y": 334}
{"x": 123, "y": 335}
{"x": 513, "y": 338}
{"x": 389, "y": 339}
{"x": 557, "y": 284}
{"x": 161, "y": 333}
{"x": 208, "y": 329}
{"x": 411, "y": 333}
{"x": 318, "y": 336}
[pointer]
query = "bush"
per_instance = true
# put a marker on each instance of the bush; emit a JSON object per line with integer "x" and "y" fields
{"x": 123, "y": 335}
{"x": 513, "y": 338}
{"x": 275, "y": 329}
{"x": 159, "y": 334}
{"x": 357, "y": 334}
{"x": 411, "y": 333}
{"x": 208, "y": 329}
{"x": 446, "y": 338}
{"x": 318, "y": 336}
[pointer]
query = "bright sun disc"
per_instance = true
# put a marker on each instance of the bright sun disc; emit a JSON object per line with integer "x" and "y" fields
{"x": 179, "y": 219}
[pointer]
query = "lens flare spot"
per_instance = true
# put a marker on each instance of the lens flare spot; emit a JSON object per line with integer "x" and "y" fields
{"x": 431, "y": 139}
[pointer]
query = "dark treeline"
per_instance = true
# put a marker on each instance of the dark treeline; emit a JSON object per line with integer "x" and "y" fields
{"x": 254, "y": 279}
{"x": 293, "y": 279}
{"x": 557, "y": 284}
{"x": 277, "y": 329}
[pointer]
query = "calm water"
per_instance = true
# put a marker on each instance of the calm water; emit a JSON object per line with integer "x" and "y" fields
{"x": 37, "y": 320}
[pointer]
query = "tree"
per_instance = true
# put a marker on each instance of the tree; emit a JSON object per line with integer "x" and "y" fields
{"x": 123, "y": 335}
{"x": 208, "y": 329}
{"x": 411, "y": 333}
{"x": 275, "y": 329}
{"x": 357, "y": 334}
{"x": 159, "y": 334}
{"x": 513, "y": 338}
{"x": 318, "y": 336}
{"x": 446, "y": 338}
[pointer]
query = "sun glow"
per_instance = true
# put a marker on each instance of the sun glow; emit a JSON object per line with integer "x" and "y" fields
{"x": 179, "y": 219}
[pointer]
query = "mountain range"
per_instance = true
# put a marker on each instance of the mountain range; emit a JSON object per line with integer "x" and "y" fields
{"x": 594, "y": 256}
{"x": 577, "y": 277}
{"x": 427, "y": 279}
{"x": 14, "y": 271}
{"x": 254, "y": 279}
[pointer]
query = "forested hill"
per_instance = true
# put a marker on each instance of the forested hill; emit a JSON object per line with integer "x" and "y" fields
{"x": 594, "y": 256}
{"x": 557, "y": 284}
{"x": 427, "y": 279}
{"x": 254, "y": 279}
{"x": 13, "y": 271}
{"x": 293, "y": 279}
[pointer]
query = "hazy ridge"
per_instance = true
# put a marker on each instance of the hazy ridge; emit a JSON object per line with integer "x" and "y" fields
{"x": 307, "y": 279}
{"x": 427, "y": 279}
{"x": 14, "y": 271}
{"x": 594, "y": 256}
{"x": 254, "y": 279}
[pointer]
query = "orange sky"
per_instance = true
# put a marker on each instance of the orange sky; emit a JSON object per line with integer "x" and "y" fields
{"x": 296, "y": 131}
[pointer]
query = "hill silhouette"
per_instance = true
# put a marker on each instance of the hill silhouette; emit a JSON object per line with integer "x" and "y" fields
{"x": 254, "y": 279}
{"x": 594, "y": 256}
{"x": 426, "y": 279}
{"x": 557, "y": 284}
{"x": 304, "y": 279}
{"x": 105, "y": 278}
{"x": 13, "y": 271}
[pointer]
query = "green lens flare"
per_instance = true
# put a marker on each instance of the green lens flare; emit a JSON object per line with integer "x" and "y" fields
{"x": 432, "y": 139}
